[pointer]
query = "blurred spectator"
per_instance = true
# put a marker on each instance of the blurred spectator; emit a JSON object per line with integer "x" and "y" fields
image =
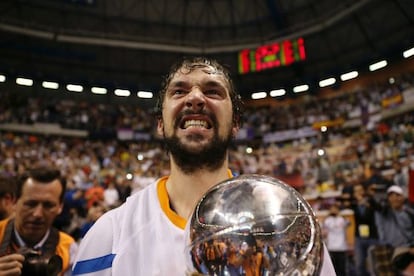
{"x": 94, "y": 212}
{"x": 73, "y": 201}
{"x": 334, "y": 229}
{"x": 400, "y": 177}
{"x": 111, "y": 196}
{"x": 366, "y": 233}
{"x": 7, "y": 196}
{"x": 95, "y": 194}
{"x": 395, "y": 219}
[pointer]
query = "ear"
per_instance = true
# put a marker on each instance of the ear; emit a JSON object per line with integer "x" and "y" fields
{"x": 235, "y": 130}
{"x": 160, "y": 127}
{"x": 60, "y": 208}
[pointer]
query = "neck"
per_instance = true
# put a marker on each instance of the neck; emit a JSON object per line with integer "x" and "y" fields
{"x": 185, "y": 190}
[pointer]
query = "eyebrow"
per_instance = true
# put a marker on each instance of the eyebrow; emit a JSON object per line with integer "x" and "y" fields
{"x": 177, "y": 84}
{"x": 214, "y": 84}
{"x": 209, "y": 83}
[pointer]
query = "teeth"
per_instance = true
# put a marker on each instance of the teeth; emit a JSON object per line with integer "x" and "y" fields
{"x": 195, "y": 123}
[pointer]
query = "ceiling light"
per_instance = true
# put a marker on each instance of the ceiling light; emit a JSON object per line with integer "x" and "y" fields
{"x": 99, "y": 90}
{"x": 349, "y": 75}
{"x": 24, "y": 81}
{"x": 277, "y": 92}
{"x": 301, "y": 88}
{"x": 259, "y": 95}
{"x": 327, "y": 82}
{"x": 122, "y": 92}
{"x": 2, "y": 78}
{"x": 50, "y": 85}
{"x": 74, "y": 87}
{"x": 378, "y": 65}
{"x": 145, "y": 94}
{"x": 408, "y": 53}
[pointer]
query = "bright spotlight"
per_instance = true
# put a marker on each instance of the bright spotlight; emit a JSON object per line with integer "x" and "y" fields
{"x": 99, "y": 90}
{"x": 145, "y": 94}
{"x": 122, "y": 92}
{"x": 408, "y": 53}
{"x": 327, "y": 82}
{"x": 301, "y": 88}
{"x": 378, "y": 65}
{"x": 259, "y": 95}
{"x": 50, "y": 85}
{"x": 277, "y": 92}
{"x": 349, "y": 75}
{"x": 74, "y": 87}
{"x": 24, "y": 81}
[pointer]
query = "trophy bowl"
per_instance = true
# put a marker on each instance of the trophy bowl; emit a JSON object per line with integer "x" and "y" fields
{"x": 253, "y": 224}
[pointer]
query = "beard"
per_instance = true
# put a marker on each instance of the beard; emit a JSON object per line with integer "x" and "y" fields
{"x": 210, "y": 156}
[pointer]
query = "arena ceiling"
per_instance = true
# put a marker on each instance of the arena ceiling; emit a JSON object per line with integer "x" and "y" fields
{"x": 131, "y": 43}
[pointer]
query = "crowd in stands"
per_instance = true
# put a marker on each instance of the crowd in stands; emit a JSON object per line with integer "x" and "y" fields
{"x": 96, "y": 117}
{"x": 101, "y": 174}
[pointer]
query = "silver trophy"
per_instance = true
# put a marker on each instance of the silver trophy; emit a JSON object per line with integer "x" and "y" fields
{"x": 254, "y": 225}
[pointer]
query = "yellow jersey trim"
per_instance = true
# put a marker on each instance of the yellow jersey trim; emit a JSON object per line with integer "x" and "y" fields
{"x": 162, "y": 193}
{"x": 165, "y": 204}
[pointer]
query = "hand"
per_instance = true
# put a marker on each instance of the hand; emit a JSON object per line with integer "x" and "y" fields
{"x": 11, "y": 264}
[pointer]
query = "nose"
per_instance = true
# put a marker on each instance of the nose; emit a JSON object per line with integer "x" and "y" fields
{"x": 38, "y": 211}
{"x": 195, "y": 99}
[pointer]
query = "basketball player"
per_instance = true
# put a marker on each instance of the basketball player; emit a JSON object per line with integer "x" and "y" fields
{"x": 199, "y": 115}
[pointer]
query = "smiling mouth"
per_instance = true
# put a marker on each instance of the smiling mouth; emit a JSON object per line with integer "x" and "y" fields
{"x": 195, "y": 123}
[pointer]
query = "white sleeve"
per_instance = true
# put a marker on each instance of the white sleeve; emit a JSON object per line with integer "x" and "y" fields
{"x": 95, "y": 253}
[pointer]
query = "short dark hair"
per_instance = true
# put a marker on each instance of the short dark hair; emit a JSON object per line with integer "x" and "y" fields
{"x": 193, "y": 63}
{"x": 41, "y": 175}
{"x": 7, "y": 186}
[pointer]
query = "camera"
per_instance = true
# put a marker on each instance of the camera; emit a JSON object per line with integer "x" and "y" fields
{"x": 36, "y": 263}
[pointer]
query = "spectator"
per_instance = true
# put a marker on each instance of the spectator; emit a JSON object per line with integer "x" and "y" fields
{"x": 334, "y": 229}
{"x": 395, "y": 219}
{"x": 7, "y": 196}
{"x": 366, "y": 234}
{"x": 95, "y": 194}
{"x": 39, "y": 200}
{"x": 111, "y": 196}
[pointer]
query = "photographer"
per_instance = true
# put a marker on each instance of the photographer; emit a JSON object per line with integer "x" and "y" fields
{"x": 29, "y": 244}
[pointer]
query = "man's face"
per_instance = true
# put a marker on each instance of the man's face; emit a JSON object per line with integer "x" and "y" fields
{"x": 395, "y": 200}
{"x": 359, "y": 192}
{"x": 197, "y": 117}
{"x": 37, "y": 208}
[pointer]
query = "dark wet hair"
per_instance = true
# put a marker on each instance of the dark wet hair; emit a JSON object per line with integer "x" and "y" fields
{"x": 41, "y": 175}
{"x": 190, "y": 64}
{"x": 7, "y": 186}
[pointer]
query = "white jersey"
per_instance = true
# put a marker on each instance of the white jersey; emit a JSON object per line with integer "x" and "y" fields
{"x": 141, "y": 237}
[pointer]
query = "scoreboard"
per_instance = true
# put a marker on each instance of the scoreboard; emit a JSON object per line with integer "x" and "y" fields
{"x": 271, "y": 56}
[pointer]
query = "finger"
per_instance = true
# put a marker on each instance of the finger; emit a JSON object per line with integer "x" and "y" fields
{"x": 12, "y": 257}
{"x": 11, "y": 264}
